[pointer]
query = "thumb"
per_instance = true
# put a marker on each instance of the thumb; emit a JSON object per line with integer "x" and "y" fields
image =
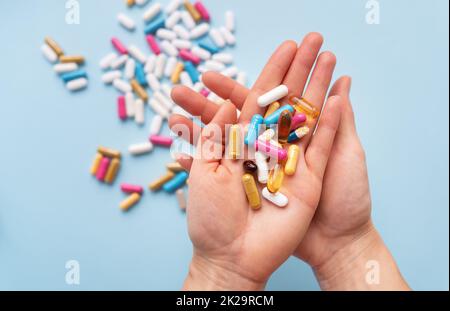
{"x": 342, "y": 88}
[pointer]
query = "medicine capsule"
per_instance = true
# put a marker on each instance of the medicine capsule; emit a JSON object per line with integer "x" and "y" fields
{"x": 304, "y": 106}
{"x": 139, "y": 90}
{"x": 292, "y": 160}
{"x": 250, "y": 167}
{"x": 234, "y": 143}
{"x": 251, "y": 190}
{"x": 103, "y": 169}
{"x": 73, "y": 75}
{"x": 112, "y": 171}
{"x": 77, "y": 84}
{"x": 176, "y": 73}
{"x": 164, "y": 141}
{"x": 54, "y": 46}
{"x": 110, "y": 153}
{"x": 263, "y": 167}
{"x": 154, "y": 26}
{"x": 192, "y": 11}
{"x": 277, "y": 199}
{"x": 272, "y": 108}
{"x": 284, "y": 126}
{"x": 71, "y": 59}
{"x": 129, "y": 202}
{"x": 269, "y": 134}
{"x": 203, "y": 11}
{"x": 298, "y": 134}
{"x": 175, "y": 167}
{"x": 297, "y": 120}
{"x": 157, "y": 184}
{"x": 253, "y": 130}
{"x": 276, "y": 177}
{"x": 176, "y": 183}
{"x": 118, "y": 45}
{"x": 273, "y": 95}
{"x": 96, "y": 164}
{"x": 129, "y": 188}
{"x": 273, "y": 118}
{"x": 271, "y": 150}
{"x": 140, "y": 149}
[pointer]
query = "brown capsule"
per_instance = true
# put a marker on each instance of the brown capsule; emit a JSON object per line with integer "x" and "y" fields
{"x": 284, "y": 126}
{"x": 250, "y": 167}
{"x": 72, "y": 59}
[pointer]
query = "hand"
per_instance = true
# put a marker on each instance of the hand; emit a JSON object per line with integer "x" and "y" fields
{"x": 234, "y": 246}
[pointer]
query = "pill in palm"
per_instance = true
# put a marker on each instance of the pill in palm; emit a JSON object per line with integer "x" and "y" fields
{"x": 273, "y": 95}
{"x": 277, "y": 199}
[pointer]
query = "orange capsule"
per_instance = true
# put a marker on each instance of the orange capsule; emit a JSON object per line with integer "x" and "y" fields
{"x": 284, "y": 126}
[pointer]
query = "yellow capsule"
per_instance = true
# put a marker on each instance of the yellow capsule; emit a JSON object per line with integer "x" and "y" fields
{"x": 276, "y": 177}
{"x": 192, "y": 11}
{"x": 130, "y": 201}
{"x": 96, "y": 163}
{"x": 110, "y": 153}
{"x": 54, "y": 46}
{"x": 234, "y": 143}
{"x": 139, "y": 90}
{"x": 71, "y": 59}
{"x": 157, "y": 184}
{"x": 272, "y": 108}
{"x": 130, "y": 3}
{"x": 304, "y": 106}
{"x": 112, "y": 171}
{"x": 175, "y": 167}
{"x": 177, "y": 72}
{"x": 284, "y": 126}
{"x": 251, "y": 191}
{"x": 267, "y": 135}
{"x": 292, "y": 160}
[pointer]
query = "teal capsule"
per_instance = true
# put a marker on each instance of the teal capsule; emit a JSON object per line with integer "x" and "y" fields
{"x": 176, "y": 183}
{"x": 253, "y": 130}
{"x": 73, "y": 75}
{"x": 273, "y": 118}
{"x": 140, "y": 75}
{"x": 298, "y": 134}
{"x": 155, "y": 26}
{"x": 192, "y": 71}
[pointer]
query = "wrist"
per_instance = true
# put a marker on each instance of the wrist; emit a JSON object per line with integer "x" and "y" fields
{"x": 208, "y": 275}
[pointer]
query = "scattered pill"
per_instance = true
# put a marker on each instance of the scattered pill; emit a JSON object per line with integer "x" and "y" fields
{"x": 175, "y": 167}
{"x": 196, "y": 16}
{"x": 298, "y": 134}
{"x": 273, "y": 95}
{"x": 110, "y": 76}
{"x": 276, "y": 177}
{"x": 121, "y": 108}
{"x": 119, "y": 62}
{"x": 163, "y": 141}
{"x": 140, "y": 149}
{"x": 130, "y": 67}
{"x": 77, "y": 84}
{"x": 150, "y": 64}
{"x": 96, "y": 164}
{"x": 230, "y": 21}
{"x": 108, "y": 152}
{"x": 159, "y": 108}
{"x": 135, "y": 52}
{"x": 186, "y": 79}
{"x": 182, "y": 44}
{"x": 126, "y": 22}
{"x": 65, "y": 68}
{"x": 169, "y": 48}
{"x": 188, "y": 56}
{"x": 153, "y": 44}
{"x": 139, "y": 111}
{"x": 120, "y": 48}
{"x": 201, "y": 9}
{"x": 210, "y": 47}
{"x": 182, "y": 32}
{"x": 304, "y": 106}
{"x": 103, "y": 168}
{"x": 297, "y": 120}
{"x": 284, "y": 126}
{"x": 54, "y": 46}
{"x": 271, "y": 150}
{"x": 129, "y": 188}
{"x": 139, "y": 90}
{"x": 170, "y": 67}
{"x": 200, "y": 31}
{"x": 72, "y": 59}
{"x": 217, "y": 38}
{"x": 166, "y": 34}
{"x": 49, "y": 54}
{"x": 292, "y": 160}
{"x": 201, "y": 53}
{"x": 263, "y": 167}
{"x": 173, "y": 6}
{"x": 272, "y": 108}
{"x": 187, "y": 19}
{"x": 176, "y": 182}
{"x": 192, "y": 71}
{"x": 152, "y": 12}
{"x": 157, "y": 184}
{"x": 176, "y": 73}
{"x": 253, "y": 130}
{"x": 160, "y": 65}
{"x": 173, "y": 19}
{"x": 156, "y": 125}
{"x": 229, "y": 38}
{"x": 140, "y": 74}
{"x": 214, "y": 66}
{"x": 129, "y": 202}
{"x": 250, "y": 167}
{"x": 153, "y": 27}
{"x": 153, "y": 82}
{"x": 164, "y": 100}
{"x": 224, "y": 58}
{"x": 268, "y": 135}
{"x": 107, "y": 60}
{"x": 129, "y": 104}
{"x": 277, "y": 199}
{"x": 251, "y": 190}
{"x": 122, "y": 85}
{"x": 113, "y": 169}
{"x": 273, "y": 117}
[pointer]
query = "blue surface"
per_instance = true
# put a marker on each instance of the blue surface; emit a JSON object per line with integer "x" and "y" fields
{"x": 52, "y": 211}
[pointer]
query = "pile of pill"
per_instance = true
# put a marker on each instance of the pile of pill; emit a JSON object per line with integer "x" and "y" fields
{"x": 281, "y": 127}
{"x": 67, "y": 66}
{"x": 135, "y": 192}
{"x": 106, "y": 165}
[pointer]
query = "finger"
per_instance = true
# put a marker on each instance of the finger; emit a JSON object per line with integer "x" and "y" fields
{"x": 305, "y": 58}
{"x": 185, "y": 128}
{"x": 271, "y": 76}
{"x": 185, "y": 161}
{"x": 226, "y": 88}
{"x": 342, "y": 88}
{"x": 318, "y": 151}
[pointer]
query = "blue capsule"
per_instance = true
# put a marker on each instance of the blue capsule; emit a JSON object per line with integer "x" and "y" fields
{"x": 73, "y": 75}
{"x": 155, "y": 26}
{"x": 140, "y": 74}
{"x": 192, "y": 71}
{"x": 209, "y": 46}
{"x": 253, "y": 130}
{"x": 176, "y": 183}
{"x": 273, "y": 118}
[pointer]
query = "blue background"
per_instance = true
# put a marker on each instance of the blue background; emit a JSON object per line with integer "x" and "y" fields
{"x": 52, "y": 211}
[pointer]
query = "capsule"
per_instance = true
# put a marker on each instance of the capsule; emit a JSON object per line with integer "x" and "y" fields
{"x": 210, "y": 47}
{"x": 155, "y": 25}
{"x": 71, "y": 59}
{"x": 273, "y": 95}
{"x": 297, "y": 120}
{"x": 298, "y": 134}
{"x": 176, "y": 73}
{"x": 130, "y": 3}
{"x": 251, "y": 191}
{"x": 181, "y": 198}
{"x": 103, "y": 169}
{"x": 139, "y": 90}
{"x": 203, "y": 11}
{"x": 164, "y": 141}
{"x": 276, "y": 177}
{"x": 129, "y": 188}
{"x": 292, "y": 160}
{"x": 234, "y": 143}
{"x": 284, "y": 126}
{"x": 250, "y": 167}
{"x": 273, "y": 118}
{"x": 110, "y": 153}
{"x": 129, "y": 202}
{"x": 139, "y": 73}
{"x": 77, "y": 84}
{"x": 152, "y": 12}
{"x": 263, "y": 167}
{"x": 113, "y": 169}
{"x": 54, "y": 46}
{"x": 176, "y": 183}
{"x": 175, "y": 167}
{"x": 190, "y": 57}
{"x": 96, "y": 164}
{"x": 253, "y": 130}
{"x": 272, "y": 108}
{"x": 118, "y": 45}
{"x": 192, "y": 72}
{"x": 268, "y": 134}
{"x": 126, "y": 22}
{"x": 157, "y": 184}
{"x": 140, "y": 149}
{"x": 277, "y": 199}
{"x": 271, "y": 150}
{"x": 304, "y": 106}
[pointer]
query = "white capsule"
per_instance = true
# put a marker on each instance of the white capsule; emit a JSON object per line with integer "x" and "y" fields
{"x": 198, "y": 87}
{"x": 107, "y": 60}
{"x": 129, "y": 104}
{"x": 230, "y": 21}
{"x": 139, "y": 111}
{"x": 152, "y": 12}
{"x": 166, "y": 34}
{"x": 242, "y": 78}
{"x": 169, "y": 49}
{"x": 278, "y": 198}
{"x": 180, "y": 111}
{"x": 181, "y": 198}
{"x": 268, "y": 135}
{"x": 182, "y": 32}
{"x": 213, "y": 65}
{"x": 153, "y": 82}
{"x": 77, "y": 84}
{"x": 173, "y": 19}
{"x": 156, "y": 125}
{"x": 126, "y": 22}
{"x": 273, "y": 95}
{"x": 217, "y": 38}
{"x": 150, "y": 64}
{"x": 119, "y": 62}
{"x": 200, "y": 31}
{"x": 136, "y": 53}
{"x": 140, "y": 149}
{"x": 200, "y": 52}
{"x": 182, "y": 44}
{"x": 231, "y": 72}
{"x": 67, "y": 67}
{"x": 167, "y": 90}
{"x": 202, "y": 69}
{"x": 230, "y": 39}
{"x": 130, "y": 68}
{"x": 159, "y": 108}
{"x": 170, "y": 66}
{"x": 163, "y": 100}
{"x": 263, "y": 167}
{"x": 224, "y": 58}
{"x": 49, "y": 54}
{"x": 110, "y": 76}
{"x": 141, "y": 2}
{"x": 122, "y": 85}
{"x": 172, "y": 6}
{"x": 187, "y": 19}
{"x": 160, "y": 65}
{"x": 186, "y": 80}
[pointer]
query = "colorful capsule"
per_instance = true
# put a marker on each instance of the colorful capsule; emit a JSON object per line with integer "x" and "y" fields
{"x": 121, "y": 108}
{"x": 271, "y": 150}
{"x": 141, "y": 77}
{"x": 292, "y": 160}
{"x": 273, "y": 95}
{"x": 251, "y": 190}
{"x": 298, "y": 134}
{"x": 175, "y": 167}
{"x": 153, "y": 44}
{"x": 54, "y": 46}
{"x": 284, "y": 126}
{"x": 272, "y": 108}
{"x": 129, "y": 202}
{"x": 96, "y": 164}
{"x": 153, "y": 27}
{"x": 277, "y": 199}
{"x": 176, "y": 183}
{"x": 129, "y": 188}
{"x": 250, "y": 167}
{"x": 189, "y": 56}
{"x": 71, "y": 59}
{"x": 253, "y": 130}
{"x": 210, "y": 47}
{"x": 263, "y": 167}
{"x": 113, "y": 169}
{"x": 139, "y": 90}
{"x": 234, "y": 143}
{"x": 297, "y": 120}
{"x": 192, "y": 11}
{"x": 192, "y": 71}
{"x": 164, "y": 141}
{"x": 276, "y": 177}
{"x": 273, "y": 118}
{"x": 103, "y": 169}
{"x": 157, "y": 184}
{"x": 203, "y": 11}
{"x": 120, "y": 48}
{"x": 140, "y": 149}
{"x": 304, "y": 106}
{"x": 176, "y": 73}
{"x": 268, "y": 134}
{"x": 110, "y": 153}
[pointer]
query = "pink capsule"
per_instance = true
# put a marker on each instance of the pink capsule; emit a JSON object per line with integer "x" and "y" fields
{"x": 187, "y": 55}
{"x": 128, "y": 188}
{"x": 297, "y": 120}
{"x": 164, "y": 141}
{"x": 103, "y": 169}
{"x": 154, "y": 46}
{"x": 205, "y": 92}
{"x": 271, "y": 150}
{"x": 119, "y": 46}
{"x": 121, "y": 108}
{"x": 202, "y": 10}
